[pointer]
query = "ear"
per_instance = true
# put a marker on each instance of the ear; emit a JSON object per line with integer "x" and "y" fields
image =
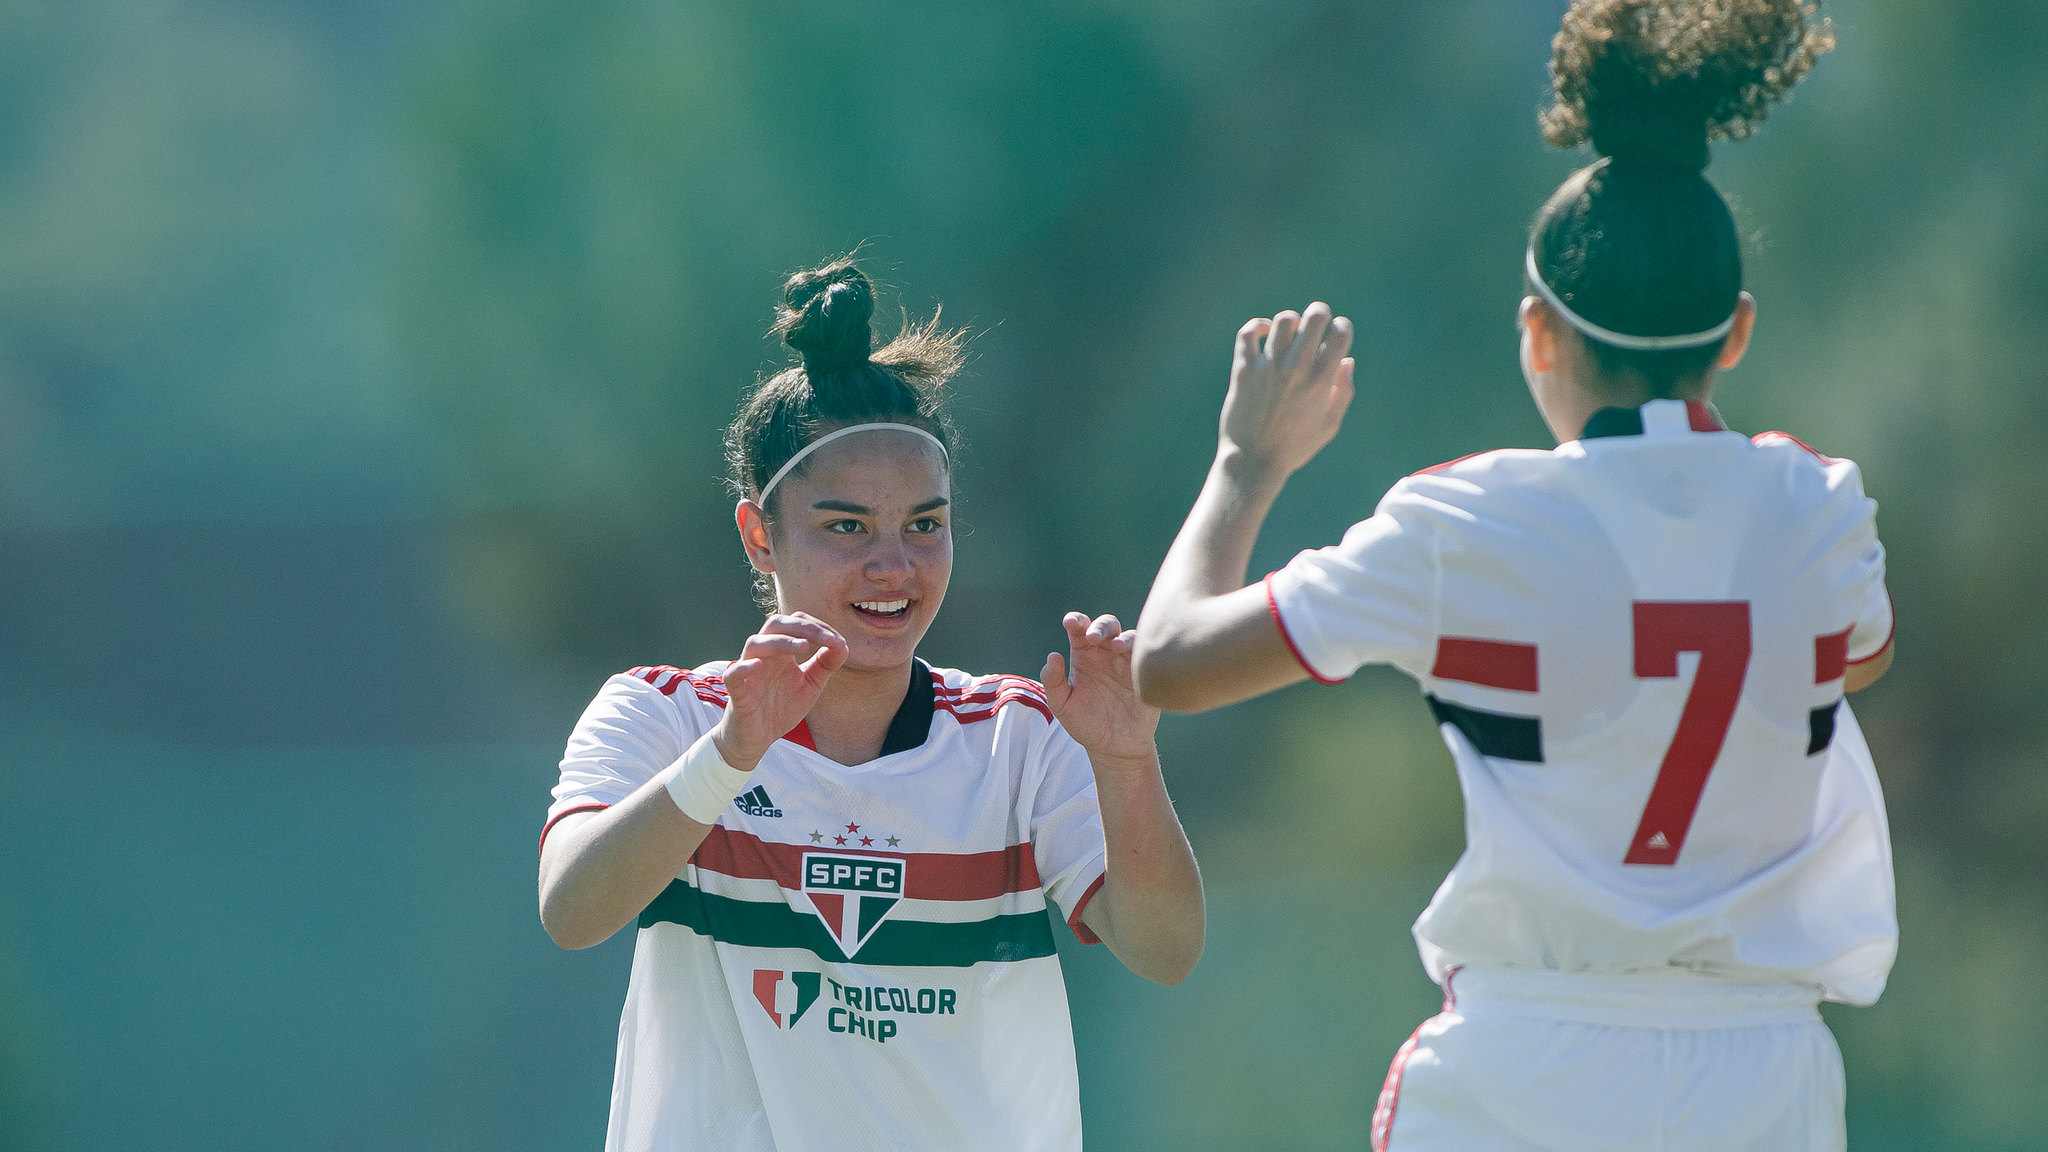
{"x": 1538, "y": 339}
{"x": 753, "y": 526}
{"x": 1738, "y": 336}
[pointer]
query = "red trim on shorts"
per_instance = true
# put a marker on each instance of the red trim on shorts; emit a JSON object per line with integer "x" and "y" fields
{"x": 552, "y": 820}
{"x": 1493, "y": 663}
{"x": 1390, "y": 1093}
{"x": 1888, "y": 636}
{"x": 1273, "y": 607}
{"x": 1082, "y": 932}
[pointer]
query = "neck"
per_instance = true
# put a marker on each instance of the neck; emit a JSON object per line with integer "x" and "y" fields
{"x": 852, "y": 715}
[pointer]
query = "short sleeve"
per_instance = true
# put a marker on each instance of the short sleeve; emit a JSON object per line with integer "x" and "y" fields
{"x": 1864, "y": 587}
{"x": 1066, "y": 829}
{"x": 630, "y": 732}
{"x": 1370, "y": 599}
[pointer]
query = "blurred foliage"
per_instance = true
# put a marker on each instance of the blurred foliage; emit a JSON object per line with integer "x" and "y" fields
{"x": 363, "y": 364}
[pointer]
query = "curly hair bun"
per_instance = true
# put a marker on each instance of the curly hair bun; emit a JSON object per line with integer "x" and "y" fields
{"x": 824, "y": 316}
{"x": 1651, "y": 81}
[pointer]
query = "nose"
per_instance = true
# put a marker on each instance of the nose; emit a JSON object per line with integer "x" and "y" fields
{"x": 888, "y": 558}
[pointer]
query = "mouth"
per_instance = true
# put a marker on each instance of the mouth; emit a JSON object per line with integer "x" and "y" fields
{"x": 882, "y": 611}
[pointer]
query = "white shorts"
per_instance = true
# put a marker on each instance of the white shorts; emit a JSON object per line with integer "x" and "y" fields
{"x": 1549, "y": 1062}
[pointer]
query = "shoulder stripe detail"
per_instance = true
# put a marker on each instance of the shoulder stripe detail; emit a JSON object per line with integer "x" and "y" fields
{"x": 1817, "y": 454}
{"x": 667, "y": 679}
{"x": 985, "y": 696}
{"x": 1433, "y": 469}
{"x": 1493, "y": 663}
{"x": 929, "y": 875}
{"x": 1273, "y": 609}
{"x": 896, "y": 942}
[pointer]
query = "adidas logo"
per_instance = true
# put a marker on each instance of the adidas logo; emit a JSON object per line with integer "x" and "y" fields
{"x": 755, "y": 802}
{"x": 1656, "y": 841}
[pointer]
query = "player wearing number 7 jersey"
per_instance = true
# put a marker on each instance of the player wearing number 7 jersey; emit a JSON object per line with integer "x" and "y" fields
{"x": 1636, "y": 646}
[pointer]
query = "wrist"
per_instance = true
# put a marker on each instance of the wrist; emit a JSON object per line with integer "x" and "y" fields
{"x": 731, "y": 751}
{"x": 1124, "y": 762}
{"x": 701, "y": 783}
{"x": 1248, "y": 470}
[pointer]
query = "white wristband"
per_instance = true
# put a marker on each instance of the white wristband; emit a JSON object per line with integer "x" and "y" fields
{"x": 701, "y": 783}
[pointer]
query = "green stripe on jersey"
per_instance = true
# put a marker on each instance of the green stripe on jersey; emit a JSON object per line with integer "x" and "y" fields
{"x": 901, "y": 943}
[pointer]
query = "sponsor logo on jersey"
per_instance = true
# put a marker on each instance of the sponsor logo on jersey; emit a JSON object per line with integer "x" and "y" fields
{"x": 785, "y": 996}
{"x": 852, "y": 894}
{"x": 877, "y": 999}
{"x": 755, "y": 802}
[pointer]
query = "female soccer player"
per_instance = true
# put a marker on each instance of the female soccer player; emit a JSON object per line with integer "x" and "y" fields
{"x": 838, "y": 855}
{"x": 1636, "y": 646}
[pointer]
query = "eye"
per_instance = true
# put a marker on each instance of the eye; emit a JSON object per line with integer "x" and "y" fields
{"x": 926, "y": 525}
{"x": 844, "y": 527}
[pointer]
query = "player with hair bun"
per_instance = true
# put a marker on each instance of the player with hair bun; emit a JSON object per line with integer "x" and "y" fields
{"x": 840, "y": 857}
{"x": 1636, "y": 646}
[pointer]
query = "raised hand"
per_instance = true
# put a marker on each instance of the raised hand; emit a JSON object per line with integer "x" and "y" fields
{"x": 774, "y": 683}
{"x": 1094, "y": 698}
{"x": 1290, "y": 382}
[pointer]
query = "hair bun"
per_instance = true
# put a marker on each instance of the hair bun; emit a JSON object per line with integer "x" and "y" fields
{"x": 1651, "y": 81}
{"x": 825, "y": 314}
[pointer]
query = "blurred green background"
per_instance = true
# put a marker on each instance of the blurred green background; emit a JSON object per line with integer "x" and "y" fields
{"x": 361, "y": 371}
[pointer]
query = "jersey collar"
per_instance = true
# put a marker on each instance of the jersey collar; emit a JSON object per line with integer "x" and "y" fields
{"x": 1658, "y": 418}
{"x": 909, "y": 728}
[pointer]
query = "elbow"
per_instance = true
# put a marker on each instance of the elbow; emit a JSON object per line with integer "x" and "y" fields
{"x": 1175, "y": 964}
{"x": 1160, "y": 681}
{"x": 568, "y": 931}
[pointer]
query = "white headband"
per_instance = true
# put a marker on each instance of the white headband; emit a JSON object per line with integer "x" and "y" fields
{"x": 829, "y": 437}
{"x": 1619, "y": 339}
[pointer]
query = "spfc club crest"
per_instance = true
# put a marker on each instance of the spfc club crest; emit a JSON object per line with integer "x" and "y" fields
{"x": 852, "y": 894}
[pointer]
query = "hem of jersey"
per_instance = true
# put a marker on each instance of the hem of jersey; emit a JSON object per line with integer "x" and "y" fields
{"x": 593, "y": 806}
{"x": 1892, "y": 610}
{"x": 1273, "y": 609}
{"x": 1082, "y": 932}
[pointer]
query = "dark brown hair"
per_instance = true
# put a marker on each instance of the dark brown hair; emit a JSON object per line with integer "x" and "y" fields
{"x": 842, "y": 379}
{"x": 1639, "y": 242}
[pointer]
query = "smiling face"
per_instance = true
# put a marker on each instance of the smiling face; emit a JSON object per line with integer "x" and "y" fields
{"x": 863, "y": 540}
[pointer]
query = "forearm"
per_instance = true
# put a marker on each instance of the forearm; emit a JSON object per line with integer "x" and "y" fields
{"x": 598, "y": 870}
{"x": 1149, "y": 909}
{"x": 1195, "y": 619}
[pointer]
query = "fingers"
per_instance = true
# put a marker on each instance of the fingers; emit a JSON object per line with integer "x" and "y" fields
{"x": 1104, "y": 628}
{"x": 800, "y": 624}
{"x": 1336, "y": 345}
{"x": 1054, "y": 674}
{"x": 1280, "y": 337}
{"x": 1248, "y": 338}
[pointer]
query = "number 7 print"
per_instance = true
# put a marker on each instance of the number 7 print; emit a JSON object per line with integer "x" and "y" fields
{"x": 1719, "y": 631}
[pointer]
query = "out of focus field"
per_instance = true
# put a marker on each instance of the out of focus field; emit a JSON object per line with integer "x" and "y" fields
{"x": 361, "y": 371}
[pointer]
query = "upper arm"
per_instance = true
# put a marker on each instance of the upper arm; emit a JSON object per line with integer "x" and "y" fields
{"x": 1227, "y": 648}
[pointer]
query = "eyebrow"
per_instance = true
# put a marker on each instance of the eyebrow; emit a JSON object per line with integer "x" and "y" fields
{"x": 864, "y": 510}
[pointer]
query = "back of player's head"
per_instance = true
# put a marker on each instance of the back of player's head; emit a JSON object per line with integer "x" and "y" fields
{"x": 842, "y": 380}
{"x": 1639, "y": 243}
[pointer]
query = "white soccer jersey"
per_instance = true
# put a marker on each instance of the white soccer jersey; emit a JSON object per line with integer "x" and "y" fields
{"x": 857, "y": 957}
{"x": 1635, "y": 646}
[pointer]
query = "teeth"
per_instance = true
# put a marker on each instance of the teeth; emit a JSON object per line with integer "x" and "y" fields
{"x": 882, "y": 605}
